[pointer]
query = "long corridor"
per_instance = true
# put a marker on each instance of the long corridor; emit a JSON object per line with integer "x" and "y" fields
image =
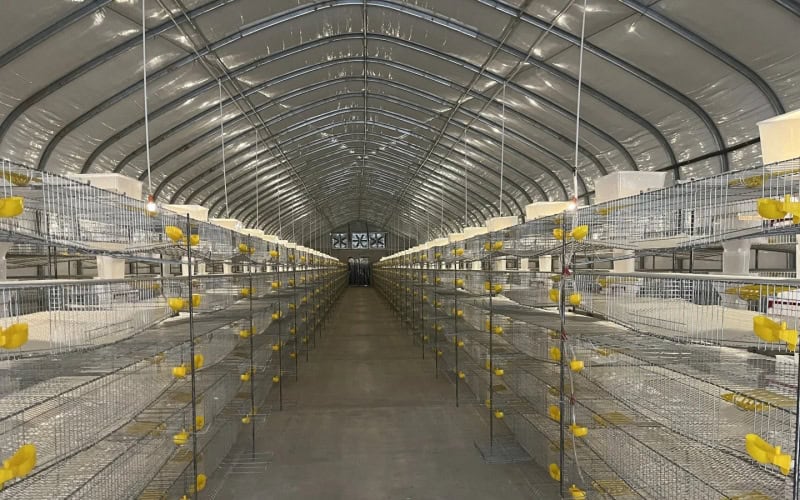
{"x": 368, "y": 420}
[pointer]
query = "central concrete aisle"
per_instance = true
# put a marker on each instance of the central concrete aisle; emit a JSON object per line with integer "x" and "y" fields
{"x": 368, "y": 420}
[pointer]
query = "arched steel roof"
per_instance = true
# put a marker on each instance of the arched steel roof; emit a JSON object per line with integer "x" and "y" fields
{"x": 377, "y": 110}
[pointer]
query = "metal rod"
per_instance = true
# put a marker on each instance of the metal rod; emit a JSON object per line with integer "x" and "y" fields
{"x": 252, "y": 373}
{"x": 191, "y": 358}
{"x": 562, "y": 313}
{"x": 491, "y": 348}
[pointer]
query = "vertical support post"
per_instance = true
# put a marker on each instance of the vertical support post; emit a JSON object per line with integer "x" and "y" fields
{"x": 455, "y": 325}
{"x": 436, "y": 317}
{"x": 488, "y": 262}
{"x": 294, "y": 315}
{"x": 562, "y": 314}
{"x": 191, "y": 361}
{"x": 252, "y": 372}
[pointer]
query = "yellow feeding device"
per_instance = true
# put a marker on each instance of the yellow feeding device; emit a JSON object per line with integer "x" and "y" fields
{"x": 276, "y": 379}
{"x": 577, "y": 493}
{"x": 575, "y": 299}
{"x": 194, "y": 240}
{"x": 555, "y": 472}
{"x": 498, "y": 414}
{"x": 180, "y": 438}
{"x": 555, "y": 354}
{"x": 579, "y": 232}
{"x": 771, "y": 331}
{"x": 15, "y": 336}
{"x": 197, "y": 299}
{"x": 176, "y": 304}
{"x": 554, "y": 413}
{"x": 459, "y": 283}
{"x": 576, "y": 365}
{"x": 578, "y": 431}
{"x": 20, "y": 464}
{"x": 245, "y": 377}
{"x": 275, "y": 285}
{"x": 244, "y": 334}
{"x": 462, "y": 375}
{"x": 246, "y": 292}
{"x": 553, "y": 294}
{"x": 174, "y": 233}
{"x": 764, "y": 453}
{"x": 243, "y": 248}
{"x": 558, "y": 233}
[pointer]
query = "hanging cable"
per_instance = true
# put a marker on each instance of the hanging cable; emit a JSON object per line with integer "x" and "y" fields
{"x": 258, "y": 186}
{"x": 441, "y": 201}
{"x": 280, "y": 222}
{"x": 222, "y": 141}
{"x": 466, "y": 205}
{"x": 151, "y": 206}
{"x": 578, "y": 111}
{"x": 502, "y": 149}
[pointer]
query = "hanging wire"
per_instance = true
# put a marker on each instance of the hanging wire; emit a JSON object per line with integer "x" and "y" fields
{"x": 578, "y": 111}
{"x": 280, "y": 222}
{"x": 258, "y": 187}
{"x": 502, "y": 149}
{"x": 146, "y": 113}
{"x": 466, "y": 205}
{"x": 222, "y": 140}
{"x": 441, "y": 207}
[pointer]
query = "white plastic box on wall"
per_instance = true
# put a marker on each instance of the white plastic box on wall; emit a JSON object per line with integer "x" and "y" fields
{"x": 233, "y": 224}
{"x": 539, "y": 209}
{"x": 618, "y": 185}
{"x": 499, "y": 223}
{"x": 780, "y": 137}
{"x": 116, "y": 183}
{"x": 196, "y": 212}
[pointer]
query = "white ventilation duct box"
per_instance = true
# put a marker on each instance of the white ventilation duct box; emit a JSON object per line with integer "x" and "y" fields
{"x": 254, "y": 232}
{"x": 438, "y": 242}
{"x": 455, "y": 237}
{"x": 291, "y": 246}
{"x": 469, "y": 232}
{"x": 233, "y": 224}
{"x": 271, "y": 238}
{"x": 540, "y": 209}
{"x": 500, "y": 223}
{"x": 780, "y": 141}
{"x": 780, "y": 137}
{"x": 618, "y": 185}
{"x": 116, "y": 183}
{"x": 196, "y": 212}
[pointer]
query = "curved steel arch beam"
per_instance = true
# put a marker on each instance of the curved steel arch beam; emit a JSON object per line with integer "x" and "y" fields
{"x": 711, "y": 49}
{"x": 624, "y": 66}
{"x": 324, "y": 168}
{"x": 51, "y": 30}
{"x": 296, "y": 13}
{"x": 272, "y": 22}
{"x": 341, "y": 189}
{"x": 213, "y": 131}
{"x": 414, "y": 123}
{"x": 261, "y": 62}
{"x": 304, "y": 108}
{"x": 513, "y": 169}
{"x": 473, "y": 205}
{"x": 247, "y": 180}
{"x": 790, "y": 5}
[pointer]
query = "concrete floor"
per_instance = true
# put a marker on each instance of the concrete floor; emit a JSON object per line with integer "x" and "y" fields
{"x": 368, "y": 420}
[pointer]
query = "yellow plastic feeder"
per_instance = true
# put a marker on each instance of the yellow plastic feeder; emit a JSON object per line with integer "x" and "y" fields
{"x": 576, "y": 365}
{"x": 21, "y": 462}
{"x": 14, "y": 337}
{"x": 180, "y": 438}
{"x": 275, "y": 379}
{"x": 174, "y": 233}
{"x": 555, "y": 472}
{"x": 575, "y": 299}
{"x": 176, "y": 304}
